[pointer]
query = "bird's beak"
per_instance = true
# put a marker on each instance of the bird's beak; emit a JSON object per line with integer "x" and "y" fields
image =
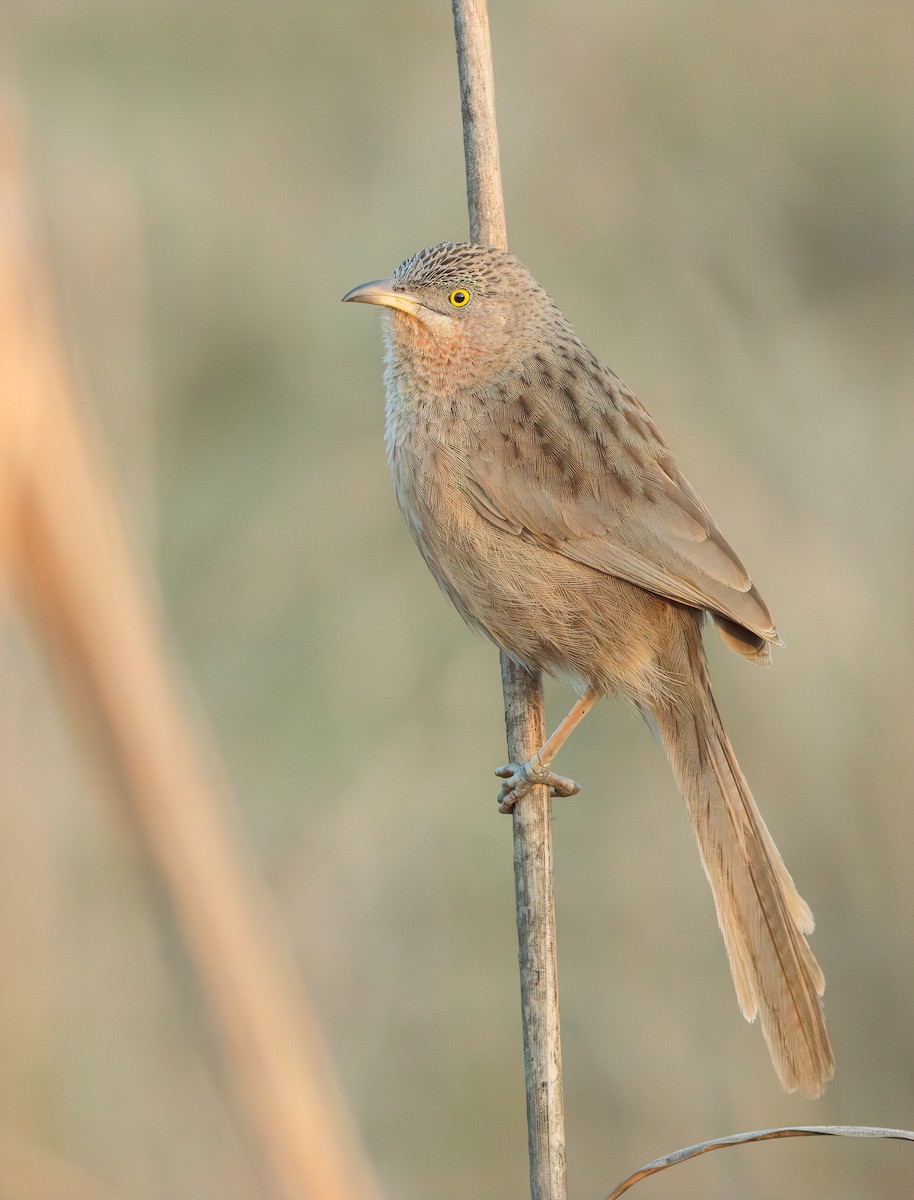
{"x": 381, "y": 291}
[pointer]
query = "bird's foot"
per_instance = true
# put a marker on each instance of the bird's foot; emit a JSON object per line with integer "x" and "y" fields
{"x": 518, "y": 780}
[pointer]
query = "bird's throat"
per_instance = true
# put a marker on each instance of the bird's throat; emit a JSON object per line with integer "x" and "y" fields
{"x": 429, "y": 357}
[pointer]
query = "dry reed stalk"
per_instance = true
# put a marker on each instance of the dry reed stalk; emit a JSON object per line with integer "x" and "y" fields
{"x": 70, "y": 566}
{"x": 524, "y": 714}
{"x": 19, "y": 375}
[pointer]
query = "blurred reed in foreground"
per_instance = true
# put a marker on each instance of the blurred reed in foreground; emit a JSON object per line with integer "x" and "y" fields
{"x": 65, "y": 557}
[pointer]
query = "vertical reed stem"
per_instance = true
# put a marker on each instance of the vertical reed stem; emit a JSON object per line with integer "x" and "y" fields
{"x": 524, "y": 719}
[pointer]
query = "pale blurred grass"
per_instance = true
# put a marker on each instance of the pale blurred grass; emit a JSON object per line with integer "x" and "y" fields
{"x": 86, "y": 597}
{"x": 720, "y": 199}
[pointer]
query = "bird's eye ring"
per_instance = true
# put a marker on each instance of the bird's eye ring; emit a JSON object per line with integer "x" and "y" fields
{"x": 460, "y": 297}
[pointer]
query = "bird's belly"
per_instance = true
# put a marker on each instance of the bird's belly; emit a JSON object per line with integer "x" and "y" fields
{"x": 545, "y": 610}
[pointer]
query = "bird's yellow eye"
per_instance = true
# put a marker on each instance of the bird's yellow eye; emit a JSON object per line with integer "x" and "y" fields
{"x": 460, "y": 297}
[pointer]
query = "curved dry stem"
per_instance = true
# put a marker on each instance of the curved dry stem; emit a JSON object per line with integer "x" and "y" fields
{"x": 757, "y": 1135}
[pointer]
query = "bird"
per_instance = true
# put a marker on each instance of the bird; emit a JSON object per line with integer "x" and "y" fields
{"x": 552, "y": 513}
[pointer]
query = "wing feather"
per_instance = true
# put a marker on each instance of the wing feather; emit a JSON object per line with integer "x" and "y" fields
{"x": 593, "y": 479}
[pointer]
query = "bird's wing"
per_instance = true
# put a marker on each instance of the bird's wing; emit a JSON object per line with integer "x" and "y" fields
{"x": 585, "y": 472}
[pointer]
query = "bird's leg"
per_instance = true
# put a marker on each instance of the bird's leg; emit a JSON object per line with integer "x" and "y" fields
{"x": 519, "y": 779}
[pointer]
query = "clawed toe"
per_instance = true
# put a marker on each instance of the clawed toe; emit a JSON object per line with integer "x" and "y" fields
{"x": 513, "y": 788}
{"x": 560, "y": 785}
{"x": 518, "y": 780}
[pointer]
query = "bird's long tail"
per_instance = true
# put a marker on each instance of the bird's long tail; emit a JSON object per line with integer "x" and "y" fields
{"x": 762, "y": 915}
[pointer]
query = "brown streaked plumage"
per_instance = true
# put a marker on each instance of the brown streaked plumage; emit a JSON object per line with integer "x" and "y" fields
{"x": 551, "y": 511}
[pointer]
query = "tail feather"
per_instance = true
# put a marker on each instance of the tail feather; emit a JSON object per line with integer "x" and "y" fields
{"x": 761, "y": 914}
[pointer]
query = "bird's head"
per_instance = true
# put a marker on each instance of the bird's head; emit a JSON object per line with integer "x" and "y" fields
{"x": 465, "y": 309}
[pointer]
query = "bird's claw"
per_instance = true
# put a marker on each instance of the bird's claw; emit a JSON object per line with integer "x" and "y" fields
{"x": 518, "y": 780}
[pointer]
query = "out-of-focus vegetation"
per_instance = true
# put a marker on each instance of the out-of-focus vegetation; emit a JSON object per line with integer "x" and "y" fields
{"x": 719, "y": 197}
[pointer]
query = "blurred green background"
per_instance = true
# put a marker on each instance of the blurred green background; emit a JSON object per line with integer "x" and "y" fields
{"x": 720, "y": 199}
